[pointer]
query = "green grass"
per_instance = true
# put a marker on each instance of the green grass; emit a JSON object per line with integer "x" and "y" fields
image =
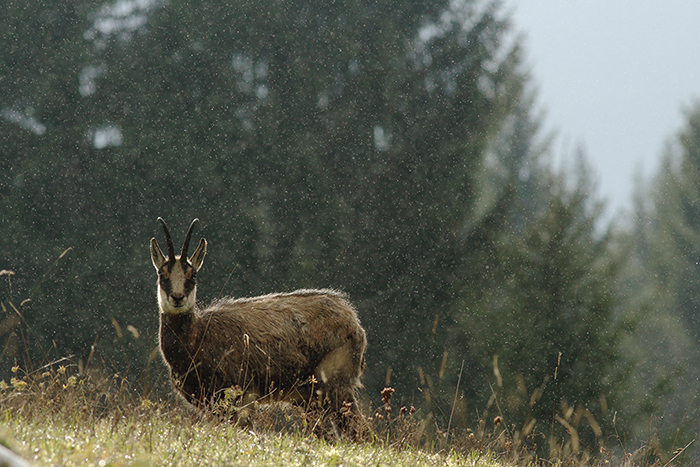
{"x": 163, "y": 439}
{"x": 57, "y": 419}
{"x": 60, "y": 416}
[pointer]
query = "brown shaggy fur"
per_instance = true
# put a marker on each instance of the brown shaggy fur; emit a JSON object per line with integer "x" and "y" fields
{"x": 300, "y": 347}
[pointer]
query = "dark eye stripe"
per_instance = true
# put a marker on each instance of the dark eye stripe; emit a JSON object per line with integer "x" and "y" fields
{"x": 165, "y": 284}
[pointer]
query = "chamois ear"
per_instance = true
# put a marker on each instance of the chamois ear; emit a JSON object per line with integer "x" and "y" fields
{"x": 156, "y": 255}
{"x": 197, "y": 257}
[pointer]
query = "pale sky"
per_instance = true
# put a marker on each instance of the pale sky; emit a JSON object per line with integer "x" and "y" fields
{"x": 613, "y": 76}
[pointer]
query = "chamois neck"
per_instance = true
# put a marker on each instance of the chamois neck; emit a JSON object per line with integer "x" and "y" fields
{"x": 178, "y": 339}
{"x": 177, "y": 320}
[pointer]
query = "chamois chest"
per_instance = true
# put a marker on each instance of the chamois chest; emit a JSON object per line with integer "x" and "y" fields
{"x": 179, "y": 343}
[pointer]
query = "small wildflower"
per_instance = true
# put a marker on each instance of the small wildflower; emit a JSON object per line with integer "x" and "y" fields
{"x": 498, "y": 420}
{"x": 388, "y": 409}
{"x": 313, "y": 379}
{"x": 403, "y": 410}
{"x": 386, "y": 394}
{"x": 18, "y": 384}
{"x": 71, "y": 382}
{"x": 379, "y": 416}
{"x": 15, "y": 369}
{"x": 412, "y": 410}
{"x": 61, "y": 370}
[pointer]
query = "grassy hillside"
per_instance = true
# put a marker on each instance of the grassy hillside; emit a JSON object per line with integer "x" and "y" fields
{"x": 58, "y": 417}
{"x": 163, "y": 437}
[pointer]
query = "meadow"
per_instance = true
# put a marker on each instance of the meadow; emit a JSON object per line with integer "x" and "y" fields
{"x": 62, "y": 415}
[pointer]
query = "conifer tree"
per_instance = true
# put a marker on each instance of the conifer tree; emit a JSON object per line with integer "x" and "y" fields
{"x": 676, "y": 243}
{"x": 662, "y": 284}
{"x": 540, "y": 315}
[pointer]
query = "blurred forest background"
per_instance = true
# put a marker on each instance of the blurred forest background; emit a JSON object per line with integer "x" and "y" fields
{"x": 390, "y": 149}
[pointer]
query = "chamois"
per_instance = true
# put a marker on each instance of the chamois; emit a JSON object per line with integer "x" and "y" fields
{"x": 303, "y": 346}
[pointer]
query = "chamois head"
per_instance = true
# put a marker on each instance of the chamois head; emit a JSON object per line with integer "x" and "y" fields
{"x": 177, "y": 275}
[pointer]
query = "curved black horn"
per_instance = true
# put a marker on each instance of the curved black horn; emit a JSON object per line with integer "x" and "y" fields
{"x": 186, "y": 245}
{"x": 168, "y": 239}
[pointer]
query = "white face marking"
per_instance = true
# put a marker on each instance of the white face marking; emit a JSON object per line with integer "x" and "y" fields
{"x": 177, "y": 289}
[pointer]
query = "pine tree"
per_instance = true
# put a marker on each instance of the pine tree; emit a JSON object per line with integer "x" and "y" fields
{"x": 540, "y": 313}
{"x": 676, "y": 249}
{"x": 662, "y": 287}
